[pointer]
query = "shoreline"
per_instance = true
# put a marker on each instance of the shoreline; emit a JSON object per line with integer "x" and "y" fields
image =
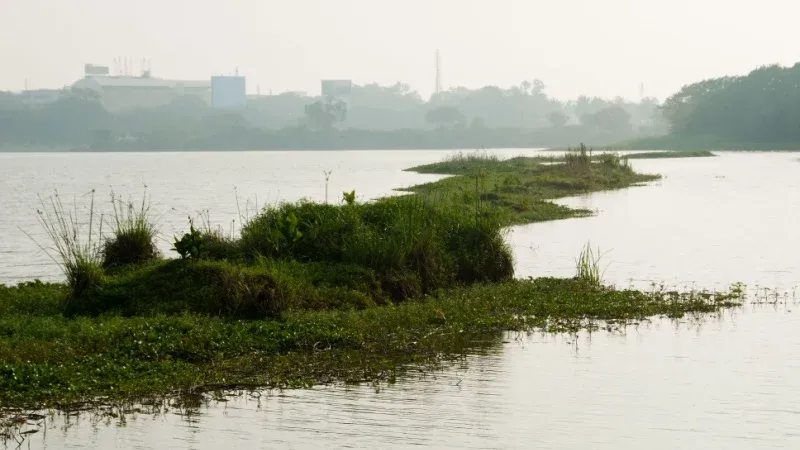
{"x": 681, "y": 143}
{"x": 143, "y": 353}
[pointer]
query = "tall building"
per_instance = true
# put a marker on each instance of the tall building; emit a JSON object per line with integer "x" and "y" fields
{"x": 228, "y": 92}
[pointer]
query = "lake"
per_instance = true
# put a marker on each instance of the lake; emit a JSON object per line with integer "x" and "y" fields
{"x": 722, "y": 382}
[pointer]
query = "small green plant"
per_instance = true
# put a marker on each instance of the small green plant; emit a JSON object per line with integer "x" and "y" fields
{"x": 190, "y": 245}
{"x": 587, "y": 266}
{"x": 349, "y": 197}
{"x": 288, "y": 226}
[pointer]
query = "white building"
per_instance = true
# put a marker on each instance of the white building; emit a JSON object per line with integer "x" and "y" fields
{"x": 127, "y": 92}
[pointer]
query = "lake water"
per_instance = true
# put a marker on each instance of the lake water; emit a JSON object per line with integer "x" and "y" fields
{"x": 726, "y": 382}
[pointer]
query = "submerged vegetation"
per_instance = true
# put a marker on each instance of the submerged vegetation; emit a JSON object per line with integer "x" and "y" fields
{"x": 307, "y": 293}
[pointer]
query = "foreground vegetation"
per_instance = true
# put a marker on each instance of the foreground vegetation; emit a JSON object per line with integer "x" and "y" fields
{"x": 52, "y": 360}
{"x": 307, "y": 293}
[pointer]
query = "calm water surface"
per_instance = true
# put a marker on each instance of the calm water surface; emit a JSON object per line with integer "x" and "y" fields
{"x": 182, "y": 184}
{"x": 728, "y": 382}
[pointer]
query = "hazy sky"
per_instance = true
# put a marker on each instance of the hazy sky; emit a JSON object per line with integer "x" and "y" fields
{"x": 598, "y": 47}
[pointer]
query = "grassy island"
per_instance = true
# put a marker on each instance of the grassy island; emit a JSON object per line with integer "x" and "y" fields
{"x": 308, "y": 293}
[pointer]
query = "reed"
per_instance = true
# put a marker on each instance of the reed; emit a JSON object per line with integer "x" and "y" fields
{"x": 587, "y": 266}
{"x": 74, "y": 245}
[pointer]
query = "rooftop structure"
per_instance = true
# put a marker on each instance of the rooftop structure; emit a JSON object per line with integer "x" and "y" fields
{"x": 130, "y": 92}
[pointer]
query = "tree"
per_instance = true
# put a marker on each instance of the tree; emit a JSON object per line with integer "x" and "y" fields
{"x": 613, "y": 119}
{"x": 445, "y": 116}
{"x": 678, "y": 108}
{"x": 557, "y": 119}
{"x": 538, "y": 87}
{"x": 324, "y": 114}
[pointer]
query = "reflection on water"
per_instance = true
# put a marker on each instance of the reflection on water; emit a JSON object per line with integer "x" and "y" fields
{"x": 726, "y": 383}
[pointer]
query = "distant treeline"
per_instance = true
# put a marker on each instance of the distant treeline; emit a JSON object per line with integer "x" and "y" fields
{"x": 372, "y": 117}
{"x": 758, "y": 111}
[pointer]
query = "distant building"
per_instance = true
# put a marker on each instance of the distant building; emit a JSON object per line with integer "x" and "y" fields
{"x": 228, "y": 92}
{"x": 118, "y": 93}
{"x": 39, "y": 96}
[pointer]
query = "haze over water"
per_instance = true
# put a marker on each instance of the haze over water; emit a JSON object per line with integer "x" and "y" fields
{"x": 720, "y": 382}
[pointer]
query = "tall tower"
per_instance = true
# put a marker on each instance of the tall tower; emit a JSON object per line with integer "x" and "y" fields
{"x": 641, "y": 92}
{"x": 438, "y": 72}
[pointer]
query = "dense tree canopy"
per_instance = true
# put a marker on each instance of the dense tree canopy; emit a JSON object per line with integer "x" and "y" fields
{"x": 78, "y": 119}
{"x": 763, "y": 106}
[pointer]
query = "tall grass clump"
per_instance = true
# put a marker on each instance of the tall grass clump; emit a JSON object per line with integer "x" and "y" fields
{"x": 75, "y": 244}
{"x": 587, "y": 266}
{"x": 615, "y": 161}
{"x": 133, "y": 238}
{"x": 579, "y": 159}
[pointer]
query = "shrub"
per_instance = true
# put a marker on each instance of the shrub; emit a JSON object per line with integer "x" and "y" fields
{"x": 133, "y": 238}
{"x": 303, "y": 231}
{"x": 339, "y": 298}
{"x": 207, "y": 244}
{"x": 615, "y": 161}
{"x": 255, "y": 291}
{"x": 415, "y": 244}
{"x": 86, "y": 275}
{"x": 208, "y": 287}
{"x": 190, "y": 244}
{"x": 216, "y": 246}
{"x": 402, "y": 285}
{"x": 578, "y": 159}
{"x": 483, "y": 255}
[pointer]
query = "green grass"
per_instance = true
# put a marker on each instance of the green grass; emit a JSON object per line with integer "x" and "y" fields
{"x": 313, "y": 293}
{"x": 313, "y": 256}
{"x": 519, "y": 189}
{"x": 587, "y": 266}
{"x": 48, "y": 360}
